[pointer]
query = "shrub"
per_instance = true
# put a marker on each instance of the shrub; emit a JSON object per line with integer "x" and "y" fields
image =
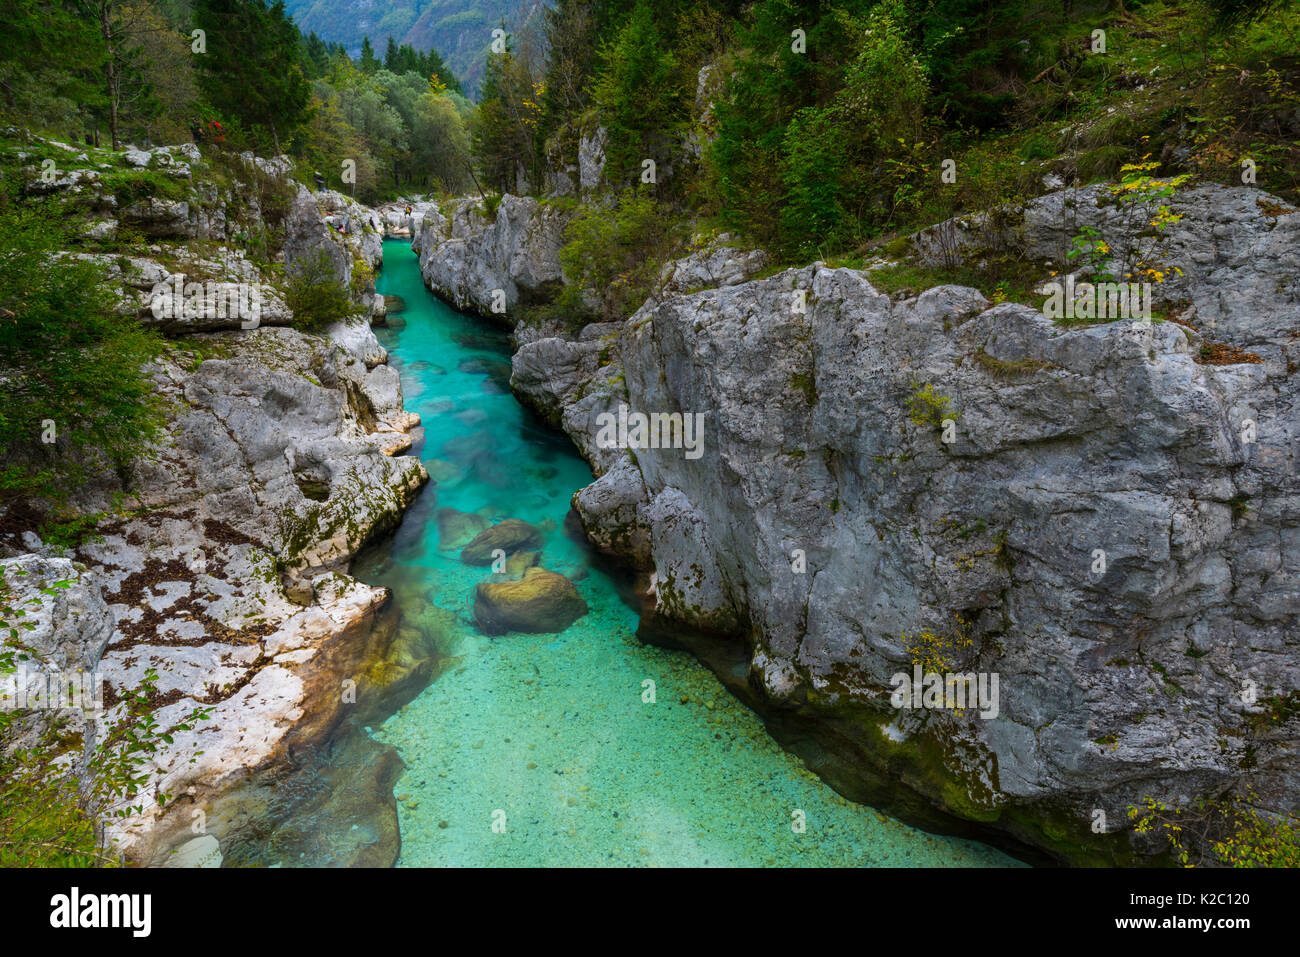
{"x": 72, "y": 368}
{"x": 925, "y": 406}
{"x": 315, "y": 295}
{"x": 1224, "y": 832}
{"x": 616, "y": 254}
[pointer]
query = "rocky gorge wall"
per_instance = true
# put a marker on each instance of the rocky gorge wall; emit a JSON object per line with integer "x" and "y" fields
{"x": 223, "y": 563}
{"x": 1108, "y": 518}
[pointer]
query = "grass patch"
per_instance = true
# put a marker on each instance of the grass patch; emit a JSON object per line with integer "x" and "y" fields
{"x": 1007, "y": 369}
{"x": 1000, "y": 280}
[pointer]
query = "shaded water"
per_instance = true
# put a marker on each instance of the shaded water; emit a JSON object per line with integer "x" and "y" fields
{"x": 539, "y": 750}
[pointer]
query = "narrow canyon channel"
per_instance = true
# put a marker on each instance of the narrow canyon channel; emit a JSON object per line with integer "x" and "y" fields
{"x": 541, "y": 750}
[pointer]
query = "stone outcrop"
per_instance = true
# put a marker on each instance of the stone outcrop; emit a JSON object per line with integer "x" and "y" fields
{"x": 493, "y": 265}
{"x": 1100, "y": 514}
{"x": 223, "y": 563}
{"x": 354, "y": 252}
{"x": 591, "y": 160}
{"x": 713, "y": 263}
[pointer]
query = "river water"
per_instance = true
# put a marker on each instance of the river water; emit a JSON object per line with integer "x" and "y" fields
{"x": 543, "y": 750}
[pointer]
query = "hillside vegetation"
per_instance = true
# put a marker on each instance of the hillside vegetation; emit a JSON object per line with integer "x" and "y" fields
{"x": 138, "y": 72}
{"x": 829, "y": 130}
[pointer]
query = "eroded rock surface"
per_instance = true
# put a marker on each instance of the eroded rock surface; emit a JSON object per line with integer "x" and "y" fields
{"x": 492, "y": 265}
{"x": 830, "y": 524}
{"x": 223, "y": 564}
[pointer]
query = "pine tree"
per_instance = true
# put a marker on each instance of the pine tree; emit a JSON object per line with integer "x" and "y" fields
{"x": 252, "y": 71}
{"x": 316, "y": 55}
{"x": 51, "y": 60}
{"x": 369, "y": 64}
{"x": 638, "y": 93}
{"x": 506, "y": 125}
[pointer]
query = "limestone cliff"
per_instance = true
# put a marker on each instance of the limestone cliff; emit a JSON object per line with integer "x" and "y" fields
{"x": 222, "y": 562}
{"x": 1105, "y": 515}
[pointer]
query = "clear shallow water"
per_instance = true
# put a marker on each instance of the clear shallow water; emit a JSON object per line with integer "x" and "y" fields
{"x": 549, "y": 735}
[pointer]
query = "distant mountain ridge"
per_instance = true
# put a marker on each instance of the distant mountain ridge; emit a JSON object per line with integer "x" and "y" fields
{"x": 460, "y": 30}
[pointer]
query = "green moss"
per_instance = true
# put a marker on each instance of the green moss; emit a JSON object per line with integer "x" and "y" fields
{"x": 803, "y": 382}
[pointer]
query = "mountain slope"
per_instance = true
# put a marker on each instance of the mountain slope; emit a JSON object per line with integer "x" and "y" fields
{"x": 460, "y": 30}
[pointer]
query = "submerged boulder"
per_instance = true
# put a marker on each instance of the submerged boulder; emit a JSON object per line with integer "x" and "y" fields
{"x": 510, "y": 536}
{"x": 517, "y": 565}
{"x": 540, "y": 603}
{"x": 457, "y": 529}
{"x": 443, "y": 472}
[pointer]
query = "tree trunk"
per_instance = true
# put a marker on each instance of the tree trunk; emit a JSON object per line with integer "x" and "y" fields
{"x": 110, "y": 67}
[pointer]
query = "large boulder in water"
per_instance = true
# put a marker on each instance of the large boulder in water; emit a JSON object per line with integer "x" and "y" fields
{"x": 540, "y": 603}
{"x": 517, "y": 565}
{"x": 457, "y": 529}
{"x": 511, "y": 535}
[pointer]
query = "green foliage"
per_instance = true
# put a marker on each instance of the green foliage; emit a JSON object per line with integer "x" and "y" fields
{"x": 1002, "y": 280}
{"x": 926, "y": 407}
{"x": 72, "y": 367}
{"x": 1232, "y": 13}
{"x": 51, "y": 60}
{"x": 815, "y": 136}
{"x": 1227, "y": 832}
{"x": 252, "y": 73}
{"x": 315, "y": 295}
{"x": 440, "y": 141}
{"x": 639, "y": 95}
{"x": 615, "y": 255}
{"x": 504, "y": 132}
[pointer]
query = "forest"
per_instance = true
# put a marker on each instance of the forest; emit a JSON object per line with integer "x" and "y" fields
{"x": 145, "y": 72}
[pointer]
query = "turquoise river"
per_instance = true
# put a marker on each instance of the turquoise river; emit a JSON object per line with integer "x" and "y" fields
{"x": 543, "y": 750}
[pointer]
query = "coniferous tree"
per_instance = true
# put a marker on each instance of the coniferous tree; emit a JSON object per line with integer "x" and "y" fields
{"x": 506, "y": 125}
{"x": 251, "y": 71}
{"x": 316, "y": 55}
{"x": 369, "y": 63}
{"x": 51, "y": 61}
{"x": 638, "y": 93}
